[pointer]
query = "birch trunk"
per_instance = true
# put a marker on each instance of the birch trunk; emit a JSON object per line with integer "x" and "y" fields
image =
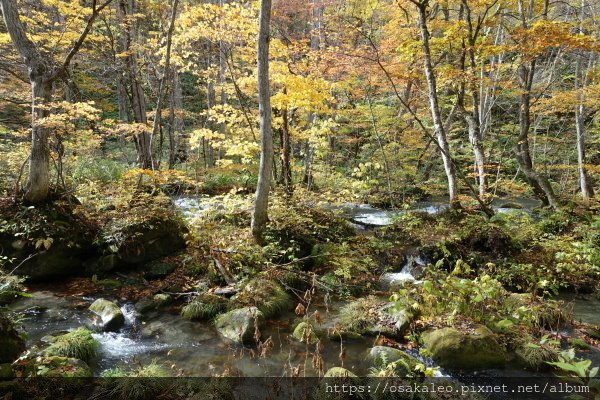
{"x": 435, "y": 108}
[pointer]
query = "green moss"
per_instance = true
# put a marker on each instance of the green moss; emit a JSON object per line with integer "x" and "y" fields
{"x": 266, "y": 295}
{"x": 339, "y": 372}
{"x": 453, "y": 349}
{"x": 579, "y": 344}
{"x": 55, "y": 367}
{"x": 76, "y": 344}
{"x": 305, "y": 333}
{"x": 205, "y": 307}
{"x": 131, "y": 387}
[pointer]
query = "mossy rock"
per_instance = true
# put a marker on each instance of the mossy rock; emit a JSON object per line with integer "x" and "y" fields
{"x": 240, "y": 325}
{"x": 6, "y": 371}
{"x": 155, "y": 233}
{"x": 266, "y": 295}
{"x": 158, "y": 270}
{"x": 511, "y": 205}
{"x": 305, "y": 333}
{"x": 144, "y": 305}
{"x": 580, "y": 344}
{"x": 76, "y": 344}
{"x": 53, "y": 367}
{"x": 593, "y": 332}
{"x": 453, "y": 349}
{"x": 371, "y": 316}
{"x": 12, "y": 343}
{"x": 205, "y": 307}
{"x": 339, "y": 372}
{"x": 112, "y": 318}
{"x": 382, "y": 356}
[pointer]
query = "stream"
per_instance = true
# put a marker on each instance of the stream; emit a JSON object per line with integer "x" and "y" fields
{"x": 196, "y": 349}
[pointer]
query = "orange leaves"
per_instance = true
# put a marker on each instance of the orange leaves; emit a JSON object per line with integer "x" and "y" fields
{"x": 544, "y": 34}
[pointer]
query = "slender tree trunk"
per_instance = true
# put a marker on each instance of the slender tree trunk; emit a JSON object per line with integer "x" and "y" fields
{"x": 177, "y": 144}
{"x": 587, "y": 190}
{"x": 260, "y": 215}
{"x": 286, "y": 150}
{"x": 315, "y": 45}
{"x": 435, "y": 108}
{"x": 156, "y": 127}
{"x": 540, "y": 184}
{"x": 138, "y": 98}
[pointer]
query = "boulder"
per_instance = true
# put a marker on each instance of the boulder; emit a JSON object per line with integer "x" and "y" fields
{"x": 511, "y": 205}
{"x": 339, "y": 372}
{"x": 6, "y": 371}
{"x": 157, "y": 270}
{"x": 305, "y": 333}
{"x": 144, "y": 305}
{"x": 382, "y": 356}
{"x": 75, "y": 344}
{"x": 265, "y": 294}
{"x": 11, "y": 343}
{"x": 111, "y": 315}
{"x": 144, "y": 241}
{"x": 371, "y": 316}
{"x": 453, "y": 349}
{"x": 239, "y": 325}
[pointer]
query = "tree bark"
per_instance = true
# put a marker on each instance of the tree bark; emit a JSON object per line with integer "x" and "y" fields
{"x": 286, "y": 150}
{"x": 156, "y": 126}
{"x": 540, "y": 184}
{"x": 138, "y": 98}
{"x": 435, "y": 108}
{"x": 260, "y": 215}
{"x": 585, "y": 185}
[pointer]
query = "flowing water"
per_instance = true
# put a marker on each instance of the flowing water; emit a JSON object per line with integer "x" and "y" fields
{"x": 196, "y": 349}
{"x": 189, "y": 348}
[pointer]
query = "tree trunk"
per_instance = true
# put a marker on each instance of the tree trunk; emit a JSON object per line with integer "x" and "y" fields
{"x": 38, "y": 183}
{"x": 435, "y": 108}
{"x": 286, "y": 150}
{"x": 585, "y": 185}
{"x": 138, "y": 98}
{"x": 541, "y": 186}
{"x": 156, "y": 126}
{"x": 260, "y": 215}
{"x": 177, "y": 144}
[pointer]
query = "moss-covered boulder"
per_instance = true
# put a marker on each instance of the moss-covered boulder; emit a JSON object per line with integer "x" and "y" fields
{"x": 266, "y": 295}
{"x": 339, "y": 372}
{"x": 157, "y": 270}
{"x": 53, "y": 239}
{"x": 241, "y": 324}
{"x": 205, "y": 307}
{"x": 371, "y": 316}
{"x": 453, "y": 349}
{"x": 305, "y": 333}
{"x": 76, "y": 344}
{"x": 111, "y": 316}
{"x": 143, "y": 234}
{"x": 52, "y": 367}
{"x": 12, "y": 344}
{"x": 383, "y": 356}
{"x": 6, "y": 371}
